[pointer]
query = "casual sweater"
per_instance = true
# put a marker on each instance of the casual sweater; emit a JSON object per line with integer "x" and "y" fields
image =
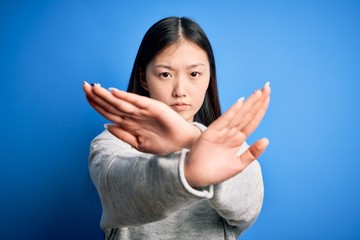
{"x": 146, "y": 196}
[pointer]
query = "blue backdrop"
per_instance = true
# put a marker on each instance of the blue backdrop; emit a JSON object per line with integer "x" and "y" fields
{"x": 308, "y": 50}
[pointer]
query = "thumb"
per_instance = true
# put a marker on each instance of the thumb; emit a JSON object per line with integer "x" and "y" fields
{"x": 254, "y": 151}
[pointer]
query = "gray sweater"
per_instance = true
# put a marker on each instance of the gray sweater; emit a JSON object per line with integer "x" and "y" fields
{"x": 145, "y": 196}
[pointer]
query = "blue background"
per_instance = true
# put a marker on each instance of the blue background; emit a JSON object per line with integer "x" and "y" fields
{"x": 308, "y": 50}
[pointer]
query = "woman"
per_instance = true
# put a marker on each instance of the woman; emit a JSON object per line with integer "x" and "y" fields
{"x": 171, "y": 166}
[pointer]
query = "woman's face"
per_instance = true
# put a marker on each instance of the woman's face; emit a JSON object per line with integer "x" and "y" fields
{"x": 179, "y": 77}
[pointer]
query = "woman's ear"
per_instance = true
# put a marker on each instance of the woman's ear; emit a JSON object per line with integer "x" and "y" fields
{"x": 143, "y": 81}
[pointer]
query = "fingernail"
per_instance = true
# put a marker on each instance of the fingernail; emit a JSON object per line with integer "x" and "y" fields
{"x": 267, "y": 84}
{"x": 241, "y": 99}
{"x": 86, "y": 83}
{"x": 95, "y": 84}
{"x": 106, "y": 125}
{"x": 112, "y": 89}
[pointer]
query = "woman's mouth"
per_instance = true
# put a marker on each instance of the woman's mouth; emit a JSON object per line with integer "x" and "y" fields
{"x": 180, "y": 106}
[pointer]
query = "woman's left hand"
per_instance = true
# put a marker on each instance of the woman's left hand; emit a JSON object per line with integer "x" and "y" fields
{"x": 214, "y": 157}
{"x": 144, "y": 123}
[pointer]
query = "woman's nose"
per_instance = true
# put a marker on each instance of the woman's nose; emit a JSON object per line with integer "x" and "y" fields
{"x": 179, "y": 89}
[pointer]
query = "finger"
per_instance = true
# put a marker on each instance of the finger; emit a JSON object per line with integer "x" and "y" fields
{"x": 106, "y": 106}
{"x": 232, "y": 117}
{"x": 224, "y": 119}
{"x": 253, "y": 124}
{"x": 113, "y": 102}
{"x": 253, "y": 152}
{"x": 94, "y": 99}
{"x": 250, "y": 109}
{"x": 86, "y": 87}
{"x": 132, "y": 98}
{"x": 122, "y": 134}
{"x": 116, "y": 118}
{"x": 153, "y": 108}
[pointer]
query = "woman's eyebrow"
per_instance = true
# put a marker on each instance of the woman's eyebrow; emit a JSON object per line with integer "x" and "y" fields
{"x": 188, "y": 67}
{"x": 196, "y": 65}
{"x": 164, "y": 66}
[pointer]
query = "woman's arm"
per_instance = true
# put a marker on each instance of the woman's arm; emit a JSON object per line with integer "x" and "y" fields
{"x": 151, "y": 126}
{"x": 212, "y": 160}
{"x": 239, "y": 199}
{"x": 136, "y": 188}
{"x": 215, "y": 159}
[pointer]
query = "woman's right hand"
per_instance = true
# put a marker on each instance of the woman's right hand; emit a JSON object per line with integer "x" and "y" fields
{"x": 213, "y": 158}
{"x": 144, "y": 123}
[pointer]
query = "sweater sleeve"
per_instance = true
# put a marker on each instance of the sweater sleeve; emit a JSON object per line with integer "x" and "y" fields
{"x": 239, "y": 199}
{"x": 134, "y": 187}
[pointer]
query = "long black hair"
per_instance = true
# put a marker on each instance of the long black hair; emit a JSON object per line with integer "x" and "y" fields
{"x": 167, "y": 32}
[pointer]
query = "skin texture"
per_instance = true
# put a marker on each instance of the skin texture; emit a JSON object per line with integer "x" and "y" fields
{"x": 156, "y": 126}
{"x": 179, "y": 77}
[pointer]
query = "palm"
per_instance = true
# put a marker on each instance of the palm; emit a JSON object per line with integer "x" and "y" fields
{"x": 213, "y": 158}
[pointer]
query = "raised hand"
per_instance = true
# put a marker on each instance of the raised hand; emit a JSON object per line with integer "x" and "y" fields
{"x": 213, "y": 158}
{"x": 146, "y": 124}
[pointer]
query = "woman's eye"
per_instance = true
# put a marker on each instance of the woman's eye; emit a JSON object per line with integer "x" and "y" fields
{"x": 194, "y": 74}
{"x": 165, "y": 75}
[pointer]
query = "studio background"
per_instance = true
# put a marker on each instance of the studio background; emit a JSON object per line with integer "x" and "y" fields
{"x": 308, "y": 50}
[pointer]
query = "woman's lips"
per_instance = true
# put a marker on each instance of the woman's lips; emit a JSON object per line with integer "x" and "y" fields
{"x": 180, "y": 106}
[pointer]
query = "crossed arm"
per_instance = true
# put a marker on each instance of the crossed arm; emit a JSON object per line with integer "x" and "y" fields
{"x": 151, "y": 126}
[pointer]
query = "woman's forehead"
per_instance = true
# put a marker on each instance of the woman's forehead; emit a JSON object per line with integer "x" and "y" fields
{"x": 182, "y": 52}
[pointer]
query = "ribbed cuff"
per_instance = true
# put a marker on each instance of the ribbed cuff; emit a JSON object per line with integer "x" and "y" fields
{"x": 204, "y": 193}
{"x": 200, "y": 126}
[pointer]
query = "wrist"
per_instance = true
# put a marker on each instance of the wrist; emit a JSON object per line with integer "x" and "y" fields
{"x": 195, "y": 133}
{"x": 206, "y": 192}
